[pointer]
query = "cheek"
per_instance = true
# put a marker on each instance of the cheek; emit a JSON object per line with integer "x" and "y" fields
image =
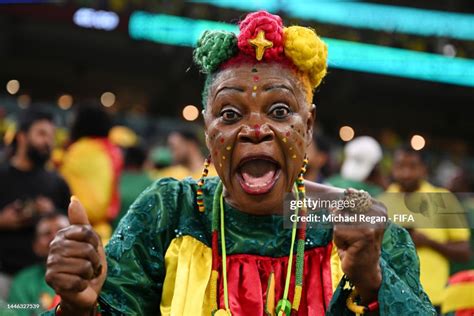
{"x": 293, "y": 139}
{"x": 220, "y": 146}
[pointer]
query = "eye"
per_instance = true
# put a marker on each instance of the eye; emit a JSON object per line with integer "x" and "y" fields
{"x": 230, "y": 115}
{"x": 280, "y": 111}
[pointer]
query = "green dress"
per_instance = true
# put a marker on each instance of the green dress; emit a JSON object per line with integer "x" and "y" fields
{"x": 159, "y": 261}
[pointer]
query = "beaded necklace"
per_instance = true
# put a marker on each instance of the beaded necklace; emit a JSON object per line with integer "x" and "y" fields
{"x": 284, "y": 306}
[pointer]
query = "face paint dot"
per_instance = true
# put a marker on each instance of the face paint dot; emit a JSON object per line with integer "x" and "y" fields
{"x": 254, "y": 88}
{"x": 284, "y": 139}
{"x": 254, "y": 69}
{"x": 294, "y": 156}
{"x": 287, "y": 134}
{"x": 254, "y": 94}
{"x": 292, "y": 126}
{"x": 222, "y": 140}
{"x": 220, "y": 165}
{"x": 223, "y": 157}
{"x": 291, "y": 148}
{"x": 256, "y": 78}
{"x": 228, "y": 147}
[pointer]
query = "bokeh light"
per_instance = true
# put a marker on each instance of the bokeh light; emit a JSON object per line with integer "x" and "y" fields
{"x": 190, "y": 113}
{"x": 107, "y": 99}
{"x": 346, "y": 133}
{"x": 13, "y": 86}
{"x": 65, "y": 101}
{"x": 24, "y": 101}
{"x": 417, "y": 142}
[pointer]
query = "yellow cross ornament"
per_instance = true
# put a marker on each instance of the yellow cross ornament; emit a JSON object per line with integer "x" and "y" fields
{"x": 260, "y": 43}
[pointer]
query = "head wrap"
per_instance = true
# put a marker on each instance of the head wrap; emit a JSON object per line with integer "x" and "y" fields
{"x": 263, "y": 38}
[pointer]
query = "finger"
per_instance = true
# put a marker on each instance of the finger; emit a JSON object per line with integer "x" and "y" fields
{"x": 74, "y": 266}
{"x": 83, "y": 233}
{"x": 77, "y": 213}
{"x": 63, "y": 282}
{"x": 75, "y": 249}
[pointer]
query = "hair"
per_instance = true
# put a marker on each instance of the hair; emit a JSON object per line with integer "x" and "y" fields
{"x": 26, "y": 119}
{"x": 188, "y": 135}
{"x": 29, "y": 117}
{"x": 323, "y": 145}
{"x": 91, "y": 121}
{"x": 407, "y": 149}
{"x": 296, "y": 47}
{"x": 135, "y": 156}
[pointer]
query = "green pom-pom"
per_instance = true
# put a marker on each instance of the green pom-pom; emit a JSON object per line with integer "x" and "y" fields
{"x": 285, "y": 306}
{"x": 213, "y": 48}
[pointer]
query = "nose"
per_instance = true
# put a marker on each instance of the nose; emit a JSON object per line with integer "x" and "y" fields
{"x": 256, "y": 133}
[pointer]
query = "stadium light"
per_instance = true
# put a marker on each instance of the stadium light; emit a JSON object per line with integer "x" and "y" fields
{"x": 379, "y": 17}
{"x": 343, "y": 54}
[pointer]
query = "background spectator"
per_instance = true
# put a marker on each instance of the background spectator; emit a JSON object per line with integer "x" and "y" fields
{"x": 29, "y": 284}
{"x": 27, "y": 190}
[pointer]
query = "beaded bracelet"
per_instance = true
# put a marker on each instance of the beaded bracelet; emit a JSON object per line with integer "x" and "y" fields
{"x": 360, "y": 309}
{"x": 95, "y": 312}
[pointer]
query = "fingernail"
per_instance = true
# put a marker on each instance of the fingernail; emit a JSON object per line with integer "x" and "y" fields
{"x": 98, "y": 271}
{"x": 74, "y": 198}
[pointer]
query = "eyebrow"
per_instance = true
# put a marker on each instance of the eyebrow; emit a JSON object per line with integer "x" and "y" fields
{"x": 238, "y": 89}
{"x": 278, "y": 86}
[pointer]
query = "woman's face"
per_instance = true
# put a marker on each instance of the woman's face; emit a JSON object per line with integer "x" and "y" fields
{"x": 258, "y": 126}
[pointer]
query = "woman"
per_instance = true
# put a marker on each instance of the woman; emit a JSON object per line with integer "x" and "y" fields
{"x": 218, "y": 246}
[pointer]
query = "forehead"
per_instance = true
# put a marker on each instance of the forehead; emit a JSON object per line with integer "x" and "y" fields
{"x": 42, "y": 124}
{"x": 403, "y": 156}
{"x": 260, "y": 74}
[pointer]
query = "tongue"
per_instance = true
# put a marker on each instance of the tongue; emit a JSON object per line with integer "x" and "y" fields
{"x": 258, "y": 172}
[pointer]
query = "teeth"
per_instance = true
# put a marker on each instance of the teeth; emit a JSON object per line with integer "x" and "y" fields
{"x": 258, "y": 185}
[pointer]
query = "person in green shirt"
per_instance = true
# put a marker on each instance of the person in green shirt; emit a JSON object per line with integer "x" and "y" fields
{"x": 29, "y": 286}
{"x": 133, "y": 180}
{"x": 218, "y": 246}
{"x": 360, "y": 169}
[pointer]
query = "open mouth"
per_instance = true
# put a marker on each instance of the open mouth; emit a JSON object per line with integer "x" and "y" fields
{"x": 258, "y": 175}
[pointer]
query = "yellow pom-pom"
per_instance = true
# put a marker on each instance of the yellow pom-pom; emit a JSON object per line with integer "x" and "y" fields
{"x": 307, "y": 51}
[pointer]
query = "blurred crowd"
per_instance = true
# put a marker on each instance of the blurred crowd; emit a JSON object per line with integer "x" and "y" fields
{"x": 107, "y": 166}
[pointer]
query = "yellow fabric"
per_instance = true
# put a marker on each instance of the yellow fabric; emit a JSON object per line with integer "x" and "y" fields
{"x": 336, "y": 269}
{"x": 180, "y": 172}
{"x": 270, "y": 303}
{"x": 434, "y": 268}
{"x": 88, "y": 171}
{"x": 457, "y": 297}
{"x": 104, "y": 230}
{"x": 186, "y": 289}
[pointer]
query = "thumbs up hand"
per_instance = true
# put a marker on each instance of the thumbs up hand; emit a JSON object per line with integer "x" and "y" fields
{"x": 76, "y": 265}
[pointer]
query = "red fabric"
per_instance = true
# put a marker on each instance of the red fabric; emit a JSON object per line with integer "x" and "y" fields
{"x": 465, "y": 312}
{"x": 117, "y": 164}
{"x": 462, "y": 277}
{"x": 247, "y": 277}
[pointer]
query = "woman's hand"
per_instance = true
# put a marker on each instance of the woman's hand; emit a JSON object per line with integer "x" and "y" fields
{"x": 359, "y": 248}
{"x": 76, "y": 265}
